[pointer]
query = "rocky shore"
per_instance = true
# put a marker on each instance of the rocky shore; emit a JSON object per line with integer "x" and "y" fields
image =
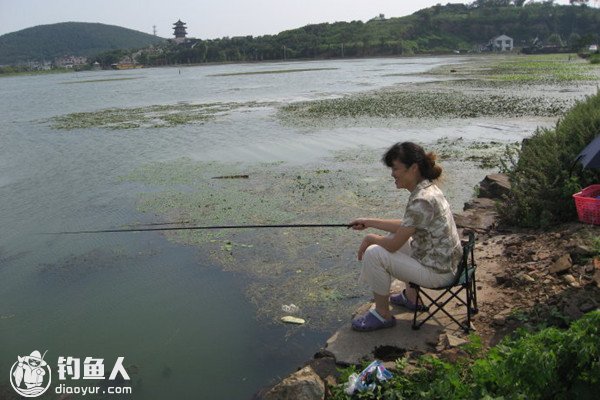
{"x": 524, "y": 277}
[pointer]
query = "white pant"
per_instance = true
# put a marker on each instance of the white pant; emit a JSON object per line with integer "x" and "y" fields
{"x": 380, "y": 266}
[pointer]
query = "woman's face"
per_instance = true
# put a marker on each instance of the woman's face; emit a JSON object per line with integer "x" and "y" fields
{"x": 404, "y": 176}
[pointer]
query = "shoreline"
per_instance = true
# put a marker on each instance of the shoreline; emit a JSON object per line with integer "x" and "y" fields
{"x": 320, "y": 373}
{"x": 329, "y": 172}
{"x": 504, "y": 306}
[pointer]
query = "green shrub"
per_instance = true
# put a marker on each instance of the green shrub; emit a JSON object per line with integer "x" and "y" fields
{"x": 540, "y": 173}
{"x": 550, "y": 364}
{"x": 595, "y": 59}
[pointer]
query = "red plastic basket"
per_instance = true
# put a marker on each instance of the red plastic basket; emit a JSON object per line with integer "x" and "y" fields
{"x": 587, "y": 203}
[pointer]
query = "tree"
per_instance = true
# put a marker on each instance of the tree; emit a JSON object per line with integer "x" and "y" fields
{"x": 555, "y": 40}
{"x": 574, "y": 41}
{"x": 491, "y": 3}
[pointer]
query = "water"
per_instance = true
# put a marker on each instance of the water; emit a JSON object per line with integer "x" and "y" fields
{"x": 183, "y": 322}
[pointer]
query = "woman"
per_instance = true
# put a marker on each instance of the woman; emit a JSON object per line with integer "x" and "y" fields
{"x": 422, "y": 248}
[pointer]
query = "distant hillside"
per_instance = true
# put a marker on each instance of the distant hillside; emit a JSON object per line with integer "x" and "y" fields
{"x": 46, "y": 42}
{"x": 437, "y": 29}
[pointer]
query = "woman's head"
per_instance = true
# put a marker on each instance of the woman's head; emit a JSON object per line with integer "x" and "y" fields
{"x": 409, "y": 153}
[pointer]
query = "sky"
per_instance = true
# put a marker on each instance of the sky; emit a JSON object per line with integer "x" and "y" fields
{"x": 205, "y": 19}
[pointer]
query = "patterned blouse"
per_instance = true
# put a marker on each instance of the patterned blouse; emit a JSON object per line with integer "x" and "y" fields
{"x": 435, "y": 243}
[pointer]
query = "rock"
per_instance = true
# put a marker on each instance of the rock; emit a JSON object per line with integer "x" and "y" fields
{"x": 304, "y": 384}
{"x": 499, "y": 320}
{"x": 589, "y": 268}
{"x": 480, "y": 203}
{"x": 587, "y": 307}
{"x": 580, "y": 251}
{"x": 527, "y": 278}
{"x": 504, "y": 279}
{"x": 352, "y": 347}
{"x": 596, "y": 278}
{"x": 324, "y": 367}
{"x": 511, "y": 251}
{"x": 475, "y": 220}
{"x": 542, "y": 255}
{"x": 330, "y": 381}
{"x": 390, "y": 366}
{"x": 450, "y": 341}
{"x": 288, "y": 319}
{"x": 452, "y": 355}
{"x": 569, "y": 278}
{"x": 572, "y": 311}
{"x": 494, "y": 186}
{"x": 562, "y": 264}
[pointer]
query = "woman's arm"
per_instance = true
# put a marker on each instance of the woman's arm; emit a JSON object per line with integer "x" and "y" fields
{"x": 388, "y": 225}
{"x": 391, "y": 243}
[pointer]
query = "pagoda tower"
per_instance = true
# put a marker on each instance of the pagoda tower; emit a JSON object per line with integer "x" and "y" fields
{"x": 180, "y": 32}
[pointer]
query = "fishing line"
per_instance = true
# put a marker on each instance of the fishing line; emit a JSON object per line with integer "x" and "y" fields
{"x": 184, "y": 228}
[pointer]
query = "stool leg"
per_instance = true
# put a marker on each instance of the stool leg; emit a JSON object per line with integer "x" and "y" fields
{"x": 475, "y": 309}
{"x": 468, "y": 290}
{"x": 414, "y": 324}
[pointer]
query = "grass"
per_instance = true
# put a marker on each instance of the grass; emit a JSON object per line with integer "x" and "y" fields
{"x": 543, "y": 70}
{"x": 549, "y": 364}
{"x": 519, "y": 69}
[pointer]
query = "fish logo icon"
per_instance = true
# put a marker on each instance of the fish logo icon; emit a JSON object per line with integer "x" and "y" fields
{"x": 30, "y": 375}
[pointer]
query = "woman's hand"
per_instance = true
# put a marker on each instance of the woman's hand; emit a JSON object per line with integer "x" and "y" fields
{"x": 367, "y": 241}
{"x": 359, "y": 224}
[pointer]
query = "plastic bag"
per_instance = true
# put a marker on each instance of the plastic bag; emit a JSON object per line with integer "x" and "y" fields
{"x": 290, "y": 309}
{"x": 367, "y": 379}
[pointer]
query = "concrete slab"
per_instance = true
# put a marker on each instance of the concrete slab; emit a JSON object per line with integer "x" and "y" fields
{"x": 352, "y": 347}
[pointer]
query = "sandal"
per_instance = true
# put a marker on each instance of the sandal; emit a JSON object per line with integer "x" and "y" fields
{"x": 402, "y": 301}
{"x": 372, "y": 321}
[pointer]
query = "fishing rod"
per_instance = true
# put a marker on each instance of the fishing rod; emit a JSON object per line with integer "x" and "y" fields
{"x": 185, "y": 228}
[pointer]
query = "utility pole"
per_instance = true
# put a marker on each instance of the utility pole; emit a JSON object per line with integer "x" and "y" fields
{"x": 342, "y": 50}
{"x": 154, "y": 29}
{"x": 284, "y": 52}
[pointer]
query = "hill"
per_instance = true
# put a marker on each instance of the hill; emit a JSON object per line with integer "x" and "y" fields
{"x": 437, "y": 29}
{"x": 46, "y": 42}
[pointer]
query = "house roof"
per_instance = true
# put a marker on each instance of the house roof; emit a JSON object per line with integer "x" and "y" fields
{"x": 502, "y": 37}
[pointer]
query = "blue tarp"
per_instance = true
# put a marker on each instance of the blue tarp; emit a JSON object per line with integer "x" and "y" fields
{"x": 590, "y": 156}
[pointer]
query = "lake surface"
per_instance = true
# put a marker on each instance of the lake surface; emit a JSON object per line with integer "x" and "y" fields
{"x": 183, "y": 322}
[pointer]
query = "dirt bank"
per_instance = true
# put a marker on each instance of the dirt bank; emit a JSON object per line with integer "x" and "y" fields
{"x": 526, "y": 278}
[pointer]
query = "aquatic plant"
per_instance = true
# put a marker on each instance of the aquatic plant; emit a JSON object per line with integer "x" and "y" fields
{"x": 313, "y": 268}
{"x": 102, "y": 80}
{"x": 425, "y": 104}
{"x": 155, "y": 116}
{"x": 275, "y": 71}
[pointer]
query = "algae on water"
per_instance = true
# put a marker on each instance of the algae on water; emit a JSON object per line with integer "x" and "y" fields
{"x": 155, "y": 116}
{"x": 315, "y": 268}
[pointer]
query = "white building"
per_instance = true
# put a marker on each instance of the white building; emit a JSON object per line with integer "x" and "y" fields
{"x": 502, "y": 43}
